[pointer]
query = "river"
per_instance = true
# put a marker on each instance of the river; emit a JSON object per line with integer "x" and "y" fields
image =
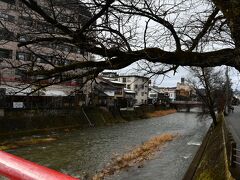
{"x": 81, "y": 153}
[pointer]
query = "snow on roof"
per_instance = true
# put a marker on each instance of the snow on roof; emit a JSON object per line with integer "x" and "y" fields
{"x": 17, "y": 91}
{"x": 116, "y": 82}
{"x": 129, "y": 91}
{"x": 55, "y": 93}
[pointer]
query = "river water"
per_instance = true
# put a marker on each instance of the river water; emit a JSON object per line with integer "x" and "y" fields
{"x": 81, "y": 153}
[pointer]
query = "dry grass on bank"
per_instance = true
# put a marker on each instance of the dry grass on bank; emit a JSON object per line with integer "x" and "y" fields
{"x": 21, "y": 143}
{"x": 161, "y": 113}
{"x": 135, "y": 156}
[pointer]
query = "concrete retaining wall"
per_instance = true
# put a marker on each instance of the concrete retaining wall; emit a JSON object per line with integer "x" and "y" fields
{"x": 32, "y": 120}
{"x": 210, "y": 161}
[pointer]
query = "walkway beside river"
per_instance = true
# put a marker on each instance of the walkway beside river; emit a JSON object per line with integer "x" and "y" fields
{"x": 233, "y": 123}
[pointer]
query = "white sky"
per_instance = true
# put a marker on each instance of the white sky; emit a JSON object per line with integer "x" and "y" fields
{"x": 170, "y": 80}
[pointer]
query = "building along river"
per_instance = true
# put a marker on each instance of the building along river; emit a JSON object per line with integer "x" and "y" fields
{"x": 82, "y": 153}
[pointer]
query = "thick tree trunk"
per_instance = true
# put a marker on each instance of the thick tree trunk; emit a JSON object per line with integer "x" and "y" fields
{"x": 231, "y": 10}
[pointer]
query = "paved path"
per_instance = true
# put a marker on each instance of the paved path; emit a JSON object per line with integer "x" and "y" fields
{"x": 233, "y": 122}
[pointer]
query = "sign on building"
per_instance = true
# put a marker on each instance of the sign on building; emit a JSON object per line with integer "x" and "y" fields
{"x": 18, "y": 105}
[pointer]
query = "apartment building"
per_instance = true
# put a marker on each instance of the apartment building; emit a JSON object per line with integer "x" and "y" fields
{"x": 18, "y": 24}
{"x": 139, "y": 84}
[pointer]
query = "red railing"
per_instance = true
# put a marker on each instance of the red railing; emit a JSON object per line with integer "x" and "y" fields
{"x": 16, "y": 168}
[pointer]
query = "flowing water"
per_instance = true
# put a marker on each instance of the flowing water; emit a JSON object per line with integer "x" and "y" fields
{"x": 81, "y": 153}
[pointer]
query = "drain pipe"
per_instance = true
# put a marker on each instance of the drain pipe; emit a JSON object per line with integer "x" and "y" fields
{"x": 90, "y": 123}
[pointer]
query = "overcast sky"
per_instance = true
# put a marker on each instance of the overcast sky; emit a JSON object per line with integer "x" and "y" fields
{"x": 170, "y": 80}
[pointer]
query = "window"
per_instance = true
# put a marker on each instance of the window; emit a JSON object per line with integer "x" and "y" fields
{"x": 27, "y": 21}
{"x": 43, "y": 26}
{"x": 81, "y": 51}
{"x": 66, "y": 49}
{"x": 129, "y": 86}
{"x": 41, "y": 59}
{"x": 136, "y": 86}
{"x": 22, "y": 39}
{"x": 20, "y": 74}
{"x": 78, "y": 50}
{"x": 5, "y": 53}
{"x": 23, "y": 56}
{"x": 143, "y": 86}
{"x": 124, "y": 79}
{"x": 153, "y": 95}
{"x": 40, "y": 77}
{"x": 6, "y": 17}
{"x": 6, "y": 35}
{"x": 8, "y": 1}
{"x": 142, "y": 93}
{"x": 67, "y": 62}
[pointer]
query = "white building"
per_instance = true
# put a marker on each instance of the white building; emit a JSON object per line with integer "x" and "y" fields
{"x": 139, "y": 84}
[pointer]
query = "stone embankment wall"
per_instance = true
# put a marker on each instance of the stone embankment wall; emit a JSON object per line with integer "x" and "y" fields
{"x": 34, "y": 120}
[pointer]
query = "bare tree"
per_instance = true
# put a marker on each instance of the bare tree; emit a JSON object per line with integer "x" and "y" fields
{"x": 211, "y": 88}
{"x": 120, "y": 32}
{"x": 228, "y": 92}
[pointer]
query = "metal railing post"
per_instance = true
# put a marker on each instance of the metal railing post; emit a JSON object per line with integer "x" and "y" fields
{"x": 233, "y": 154}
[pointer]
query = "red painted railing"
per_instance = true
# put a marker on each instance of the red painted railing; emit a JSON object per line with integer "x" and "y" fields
{"x": 16, "y": 168}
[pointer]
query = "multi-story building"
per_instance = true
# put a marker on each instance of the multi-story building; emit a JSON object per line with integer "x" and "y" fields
{"x": 169, "y": 91}
{"x": 156, "y": 96}
{"x": 139, "y": 84}
{"x": 19, "y": 24}
{"x": 106, "y": 92}
{"x": 184, "y": 91}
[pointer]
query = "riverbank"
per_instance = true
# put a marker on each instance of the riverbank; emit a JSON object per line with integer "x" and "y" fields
{"x": 211, "y": 161}
{"x": 97, "y": 116}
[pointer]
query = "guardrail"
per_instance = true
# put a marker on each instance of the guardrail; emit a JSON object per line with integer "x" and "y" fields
{"x": 233, "y": 153}
{"x": 16, "y": 168}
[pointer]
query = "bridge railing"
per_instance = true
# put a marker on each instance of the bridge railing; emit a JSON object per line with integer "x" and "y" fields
{"x": 16, "y": 168}
{"x": 187, "y": 102}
